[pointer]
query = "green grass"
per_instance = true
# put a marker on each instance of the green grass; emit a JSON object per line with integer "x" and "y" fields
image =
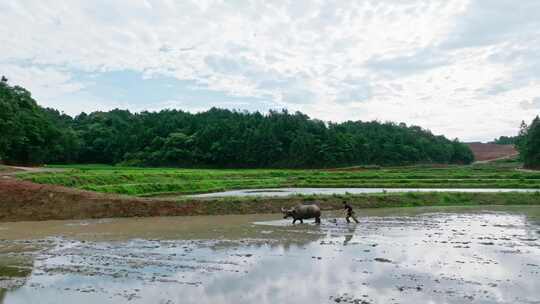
{"x": 157, "y": 181}
{"x": 14, "y": 272}
{"x": 249, "y": 205}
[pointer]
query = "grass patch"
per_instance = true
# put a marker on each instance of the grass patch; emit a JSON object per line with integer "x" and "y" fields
{"x": 14, "y": 272}
{"x": 157, "y": 181}
{"x": 248, "y": 205}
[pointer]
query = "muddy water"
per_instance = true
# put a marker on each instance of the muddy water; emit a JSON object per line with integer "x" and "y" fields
{"x": 331, "y": 191}
{"x": 437, "y": 255}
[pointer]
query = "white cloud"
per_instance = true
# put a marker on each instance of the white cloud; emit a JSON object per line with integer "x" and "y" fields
{"x": 47, "y": 82}
{"x": 459, "y": 67}
{"x": 531, "y": 105}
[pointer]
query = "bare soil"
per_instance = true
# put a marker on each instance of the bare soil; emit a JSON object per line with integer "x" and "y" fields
{"x": 22, "y": 200}
{"x": 486, "y": 152}
{"x": 27, "y": 201}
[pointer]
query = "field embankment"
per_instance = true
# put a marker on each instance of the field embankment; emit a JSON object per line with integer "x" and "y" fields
{"x": 7, "y": 170}
{"x": 79, "y": 192}
{"x": 27, "y": 201}
{"x": 147, "y": 182}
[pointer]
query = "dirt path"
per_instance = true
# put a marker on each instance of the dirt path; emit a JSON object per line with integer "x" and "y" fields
{"x": 497, "y": 159}
{"x": 527, "y": 170}
{"x": 13, "y": 170}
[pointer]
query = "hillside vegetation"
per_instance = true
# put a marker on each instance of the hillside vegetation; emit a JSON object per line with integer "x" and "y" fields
{"x": 29, "y": 133}
{"x": 216, "y": 138}
{"x": 529, "y": 144}
{"x": 505, "y": 140}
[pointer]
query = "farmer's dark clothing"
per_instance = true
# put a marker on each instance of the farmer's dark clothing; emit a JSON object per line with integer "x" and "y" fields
{"x": 349, "y": 209}
{"x": 350, "y": 213}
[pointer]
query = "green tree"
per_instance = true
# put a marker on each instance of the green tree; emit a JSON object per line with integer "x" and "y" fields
{"x": 521, "y": 139}
{"x": 214, "y": 138}
{"x": 29, "y": 133}
{"x": 530, "y": 144}
{"x": 505, "y": 140}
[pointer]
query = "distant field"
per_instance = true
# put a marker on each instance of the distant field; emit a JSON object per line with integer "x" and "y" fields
{"x": 5, "y": 169}
{"x": 160, "y": 181}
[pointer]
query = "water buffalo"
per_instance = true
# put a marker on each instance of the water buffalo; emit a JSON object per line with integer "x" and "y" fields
{"x": 302, "y": 212}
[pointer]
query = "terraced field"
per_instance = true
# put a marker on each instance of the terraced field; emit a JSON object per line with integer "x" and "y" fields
{"x": 159, "y": 181}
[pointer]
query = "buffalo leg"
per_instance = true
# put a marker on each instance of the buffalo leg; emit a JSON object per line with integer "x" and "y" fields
{"x": 317, "y": 220}
{"x": 294, "y": 221}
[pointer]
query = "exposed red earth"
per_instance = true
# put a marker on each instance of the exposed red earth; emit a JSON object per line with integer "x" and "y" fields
{"x": 23, "y": 200}
{"x": 487, "y": 152}
{"x": 27, "y": 201}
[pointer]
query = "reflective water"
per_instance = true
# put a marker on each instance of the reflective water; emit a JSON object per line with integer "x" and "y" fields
{"x": 330, "y": 191}
{"x": 428, "y": 255}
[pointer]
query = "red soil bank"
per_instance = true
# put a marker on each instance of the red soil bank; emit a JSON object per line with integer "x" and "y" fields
{"x": 20, "y": 200}
{"x": 483, "y": 152}
{"x": 27, "y": 201}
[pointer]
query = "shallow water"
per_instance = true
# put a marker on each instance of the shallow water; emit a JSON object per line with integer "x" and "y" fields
{"x": 438, "y": 255}
{"x": 330, "y": 191}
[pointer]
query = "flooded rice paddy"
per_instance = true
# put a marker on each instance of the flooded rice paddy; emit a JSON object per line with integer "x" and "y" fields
{"x": 331, "y": 191}
{"x": 425, "y": 255}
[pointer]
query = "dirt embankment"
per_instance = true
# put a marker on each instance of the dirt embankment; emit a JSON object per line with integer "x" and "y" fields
{"x": 487, "y": 152}
{"x": 26, "y": 201}
{"x": 20, "y": 200}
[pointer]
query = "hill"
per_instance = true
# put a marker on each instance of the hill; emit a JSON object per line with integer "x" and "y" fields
{"x": 217, "y": 138}
{"x": 486, "y": 152}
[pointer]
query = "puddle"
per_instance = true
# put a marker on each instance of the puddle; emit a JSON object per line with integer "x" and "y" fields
{"x": 437, "y": 255}
{"x": 331, "y": 191}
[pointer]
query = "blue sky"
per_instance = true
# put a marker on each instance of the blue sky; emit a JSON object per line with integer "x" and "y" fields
{"x": 132, "y": 90}
{"x": 462, "y": 68}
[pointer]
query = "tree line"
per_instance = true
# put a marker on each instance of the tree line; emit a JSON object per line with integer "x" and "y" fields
{"x": 215, "y": 138}
{"x": 528, "y": 143}
{"x": 505, "y": 140}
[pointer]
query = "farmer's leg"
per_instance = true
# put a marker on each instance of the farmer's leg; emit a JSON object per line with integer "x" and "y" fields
{"x": 353, "y": 216}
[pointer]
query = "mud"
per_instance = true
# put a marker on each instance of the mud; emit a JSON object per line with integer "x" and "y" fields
{"x": 437, "y": 255}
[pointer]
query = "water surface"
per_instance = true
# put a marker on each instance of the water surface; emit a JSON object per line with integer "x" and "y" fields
{"x": 400, "y": 255}
{"x": 331, "y": 191}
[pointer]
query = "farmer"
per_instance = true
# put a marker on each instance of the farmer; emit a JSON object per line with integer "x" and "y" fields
{"x": 350, "y": 212}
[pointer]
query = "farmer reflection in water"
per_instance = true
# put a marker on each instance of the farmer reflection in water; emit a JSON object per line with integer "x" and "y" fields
{"x": 349, "y": 235}
{"x": 350, "y": 212}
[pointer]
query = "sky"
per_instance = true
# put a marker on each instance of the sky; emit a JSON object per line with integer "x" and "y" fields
{"x": 462, "y": 68}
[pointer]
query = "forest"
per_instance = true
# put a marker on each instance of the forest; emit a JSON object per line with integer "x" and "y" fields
{"x": 217, "y": 138}
{"x": 505, "y": 140}
{"x": 528, "y": 144}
